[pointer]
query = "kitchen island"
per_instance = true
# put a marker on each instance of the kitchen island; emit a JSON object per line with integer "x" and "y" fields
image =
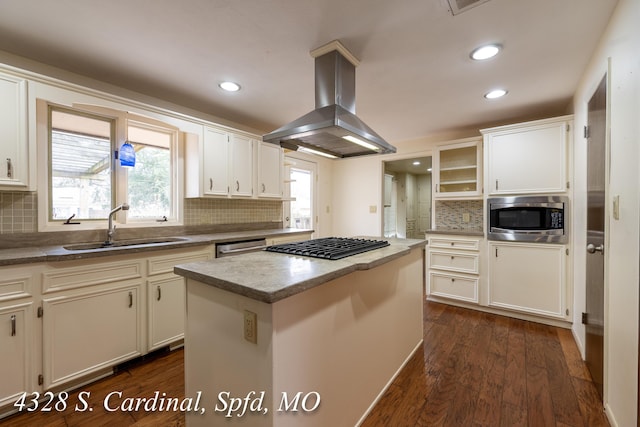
{"x": 330, "y": 336}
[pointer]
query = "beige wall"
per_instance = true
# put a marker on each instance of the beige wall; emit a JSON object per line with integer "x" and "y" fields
{"x": 619, "y": 47}
{"x": 358, "y": 183}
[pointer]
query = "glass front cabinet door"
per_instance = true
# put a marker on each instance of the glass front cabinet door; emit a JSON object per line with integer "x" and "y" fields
{"x": 458, "y": 169}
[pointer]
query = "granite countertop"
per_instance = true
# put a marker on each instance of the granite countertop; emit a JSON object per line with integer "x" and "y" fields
{"x": 50, "y": 253}
{"x": 270, "y": 277}
{"x": 456, "y": 232}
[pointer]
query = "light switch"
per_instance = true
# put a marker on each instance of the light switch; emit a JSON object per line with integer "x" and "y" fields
{"x": 373, "y": 209}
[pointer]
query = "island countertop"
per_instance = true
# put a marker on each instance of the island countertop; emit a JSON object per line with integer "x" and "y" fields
{"x": 270, "y": 277}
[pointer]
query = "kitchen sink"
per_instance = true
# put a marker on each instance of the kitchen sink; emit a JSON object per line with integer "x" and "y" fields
{"x": 122, "y": 243}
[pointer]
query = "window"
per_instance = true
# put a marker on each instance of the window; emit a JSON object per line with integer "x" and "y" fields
{"x": 149, "y": 183}
{"x": 86, "y": 180}
{"x": 80, "y": 164}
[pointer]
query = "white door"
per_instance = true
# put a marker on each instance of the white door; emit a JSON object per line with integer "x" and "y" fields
{"x": 593, "y": 318}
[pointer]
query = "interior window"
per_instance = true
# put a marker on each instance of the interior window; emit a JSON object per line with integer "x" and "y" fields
{"x": 80, "y": 158}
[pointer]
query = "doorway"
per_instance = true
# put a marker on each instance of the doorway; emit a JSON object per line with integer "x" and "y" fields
{"x": 407, "y": 197}
{"x": 596, "y": 215}
{"x": 299, "y": 206}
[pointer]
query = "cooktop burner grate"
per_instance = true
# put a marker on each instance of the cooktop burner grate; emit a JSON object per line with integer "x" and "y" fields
{"x": 329, "y": 247}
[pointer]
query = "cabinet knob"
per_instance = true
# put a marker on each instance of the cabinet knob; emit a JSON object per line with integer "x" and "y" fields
{"x": 452, "y": 257}
{"x": 453, "y": 280}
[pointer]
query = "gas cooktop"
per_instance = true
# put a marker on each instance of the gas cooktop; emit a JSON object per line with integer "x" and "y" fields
{"x": 329, "y": 247}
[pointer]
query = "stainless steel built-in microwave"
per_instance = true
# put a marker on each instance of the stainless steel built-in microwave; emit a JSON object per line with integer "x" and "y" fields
{"x": 528, "y": 218}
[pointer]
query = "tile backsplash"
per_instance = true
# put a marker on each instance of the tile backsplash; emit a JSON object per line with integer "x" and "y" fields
{"x": 19, "y": 212}
{"x": 450, "y": 214}
{"x": 231, "y": 211}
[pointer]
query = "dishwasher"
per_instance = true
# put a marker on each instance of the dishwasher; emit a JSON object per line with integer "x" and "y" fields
{"x": 239, "y": 247}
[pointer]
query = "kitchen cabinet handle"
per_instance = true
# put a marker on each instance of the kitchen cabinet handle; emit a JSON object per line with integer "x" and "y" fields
{"x": 496, "y": 185}
{"x": 496, "y": 252}
{"x": 130, "y": 299}
{"x": 436, "y": 188}
{"x": 263, "y": 188}
{"x": 13, "y": 325}
{"x": 210, "y": 184}
{"x": 159, "y": 293}
{"x": 9, "y": 168}
{"x": 237, "y": 185}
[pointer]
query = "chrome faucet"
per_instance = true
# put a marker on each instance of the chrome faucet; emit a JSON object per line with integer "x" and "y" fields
{"x": 112, "y": 227}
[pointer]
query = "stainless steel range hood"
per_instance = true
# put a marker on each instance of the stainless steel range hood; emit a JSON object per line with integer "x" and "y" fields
{"x": 324, "y": 129}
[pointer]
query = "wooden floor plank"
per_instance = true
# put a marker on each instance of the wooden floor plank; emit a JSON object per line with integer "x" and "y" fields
{"x": 590, "y": 404}
{"x": 575, "y": 364}
{"x": 476, "y": 369}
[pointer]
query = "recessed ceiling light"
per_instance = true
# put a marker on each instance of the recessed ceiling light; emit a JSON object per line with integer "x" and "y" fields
{"x": 416, "y": 163}
{"x": 498, "y": 93}
{"x": 485, "y": 52}
{"x": 229, "y": 86}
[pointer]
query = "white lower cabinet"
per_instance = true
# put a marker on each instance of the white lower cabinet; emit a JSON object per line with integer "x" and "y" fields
{"x": 15, "y": 351}
{"x": 87, "y": 332}
{"x": 529, "y": 278}
{"x": 166, "y": 300}
{"x": 454, "y": 267}
{"x": 103, "y": 311}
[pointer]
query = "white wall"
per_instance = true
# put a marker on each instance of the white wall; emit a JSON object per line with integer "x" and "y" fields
{"x": 620, "y": 45}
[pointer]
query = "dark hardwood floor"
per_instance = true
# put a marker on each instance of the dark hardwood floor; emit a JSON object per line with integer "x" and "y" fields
{"x": 476, "y": 369}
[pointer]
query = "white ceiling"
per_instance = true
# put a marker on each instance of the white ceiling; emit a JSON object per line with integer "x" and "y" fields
{"x": 415, "y": 77}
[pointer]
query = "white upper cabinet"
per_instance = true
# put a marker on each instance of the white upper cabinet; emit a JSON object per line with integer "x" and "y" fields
{"x": 458, "y": 170}
{"x": 242, "y": 165}
{"x": 215, "y": 168}
{"x": 14, "y": 144}
{"x": 270, "y": 170}
{"x": 229, "y": 164}
{"x": 529, "y": 157}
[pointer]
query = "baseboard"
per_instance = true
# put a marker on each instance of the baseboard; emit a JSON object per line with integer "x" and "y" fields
{"x": 507, "y": 313}
{"x": 388, "y": 384}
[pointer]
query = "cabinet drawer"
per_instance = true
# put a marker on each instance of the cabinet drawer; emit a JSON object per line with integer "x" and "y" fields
{"x": 15, "y": 283}
{"x": 446, "y": 243}
{"x": 76, "y": 274}
{"x": 452, "y": 261}
{"x": 452, "y": 286}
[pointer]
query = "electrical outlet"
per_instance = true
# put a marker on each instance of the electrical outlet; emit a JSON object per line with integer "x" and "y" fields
{"x": 251, "y": 326}
{"x": 466, "y": 217}
{"x": 373, "y": 209}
